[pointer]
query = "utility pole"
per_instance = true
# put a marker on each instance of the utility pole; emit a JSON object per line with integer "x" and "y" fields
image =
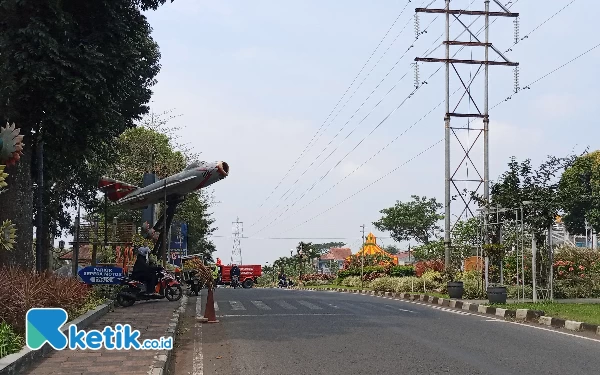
{"x": 362, "y": 256}
{"x": 451, "y": 178}
{"x": 165, "y": 231}
{"x": 236, "y": 253}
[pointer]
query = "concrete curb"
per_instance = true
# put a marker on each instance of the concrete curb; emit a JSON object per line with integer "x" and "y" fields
{"x": 23, "y": 360}
{"x": 162, "y": 359}
{"x": 534, "y": 316}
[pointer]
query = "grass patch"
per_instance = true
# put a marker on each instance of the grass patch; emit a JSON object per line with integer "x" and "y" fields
{"x": 580, "y": 312}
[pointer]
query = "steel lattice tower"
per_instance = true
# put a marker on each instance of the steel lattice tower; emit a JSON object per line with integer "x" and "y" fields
{"x": 236, "y": 253}
{"x": 451, "y": 131}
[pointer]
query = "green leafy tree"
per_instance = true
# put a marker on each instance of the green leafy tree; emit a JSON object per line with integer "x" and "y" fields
{"x": 391, "y": 249}
{"x": 417, "y": 219}
{"x": 522, "y": 182}
{"x": 144, "y": 149}
{"x": 75, "y": 74}
{"x": 579, "y": 191}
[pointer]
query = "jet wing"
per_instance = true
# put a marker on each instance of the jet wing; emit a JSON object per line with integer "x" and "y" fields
{"x": 142, "y": 196}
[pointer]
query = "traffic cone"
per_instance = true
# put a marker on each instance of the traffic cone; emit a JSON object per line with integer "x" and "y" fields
{"x": 209, "y": 310}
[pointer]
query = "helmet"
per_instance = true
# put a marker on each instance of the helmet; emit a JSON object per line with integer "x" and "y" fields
{"x": 144, "y": 250}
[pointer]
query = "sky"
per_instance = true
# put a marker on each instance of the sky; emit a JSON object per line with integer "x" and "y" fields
{"x": 255, "y": 80}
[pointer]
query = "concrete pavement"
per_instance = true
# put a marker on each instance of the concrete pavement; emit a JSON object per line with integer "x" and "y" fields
{"x": 273, "y": 331}
{"x": 152, "y": 319}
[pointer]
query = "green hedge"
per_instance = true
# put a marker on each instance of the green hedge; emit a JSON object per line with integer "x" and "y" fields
{"x": 396, "y": 271}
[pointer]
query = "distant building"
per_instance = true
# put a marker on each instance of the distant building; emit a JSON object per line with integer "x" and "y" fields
{"x": 333, "y": 260}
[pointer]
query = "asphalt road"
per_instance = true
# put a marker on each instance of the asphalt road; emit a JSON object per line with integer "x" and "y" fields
{"x": 273, "y": 331}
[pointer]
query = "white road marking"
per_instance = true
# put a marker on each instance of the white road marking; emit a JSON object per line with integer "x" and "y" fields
{"x": 309, "y": 305}
{"x": 334, "y": 306}
{"x": 261, "y": 305}
{"x": 216, "y": 306}
{"x": 285, "y": 305}
{"x": 198, "y": 360}
{"x": 270, "y": 315}
{"x": 396, "y": 308}
{"x": 236, "y": 305}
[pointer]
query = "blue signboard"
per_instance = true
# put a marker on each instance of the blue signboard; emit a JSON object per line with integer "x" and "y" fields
{"x": 179, "y": 237}
{"x": 100, "y": 275}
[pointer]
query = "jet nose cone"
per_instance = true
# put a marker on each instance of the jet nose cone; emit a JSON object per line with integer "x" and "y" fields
{"x": 223, "y": 169}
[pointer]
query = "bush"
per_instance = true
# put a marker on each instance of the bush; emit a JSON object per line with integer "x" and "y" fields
{"x": 403, "y": 285}
{"x": 429, "y": 265}
{"x": 402, "y": 271}
{"x": 10, "y": 341}
{"x": 352, "y": 281}
{"x": 514, "y": 291}
{"x": 24, "y": 290}
{"x": 432, "y": 276}
{"x": 316, "y": 282}
{"x": 474, "y": 289}
{"x": 366, "y": 271}
{"x": 318, "y": 277}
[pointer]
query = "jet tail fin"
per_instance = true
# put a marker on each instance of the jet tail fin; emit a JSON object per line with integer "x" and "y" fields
{"x": 114, "y": 189}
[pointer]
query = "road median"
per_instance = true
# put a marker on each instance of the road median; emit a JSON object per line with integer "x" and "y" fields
{"x": 512, "y": 314}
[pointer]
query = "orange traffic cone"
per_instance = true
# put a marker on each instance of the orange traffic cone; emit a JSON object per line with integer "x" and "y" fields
{"x": 209, "y": 310}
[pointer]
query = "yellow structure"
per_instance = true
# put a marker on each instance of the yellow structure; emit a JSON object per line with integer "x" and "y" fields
{"x": 371, "y": 248}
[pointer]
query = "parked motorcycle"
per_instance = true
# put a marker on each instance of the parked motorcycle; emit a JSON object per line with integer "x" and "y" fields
{"x": 192, "y": 281}
{"x": 283, "y": 283}
{"x": 134, "y": 290}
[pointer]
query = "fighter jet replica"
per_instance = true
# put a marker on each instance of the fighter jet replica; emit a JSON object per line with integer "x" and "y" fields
{"x": 196, "y": 176}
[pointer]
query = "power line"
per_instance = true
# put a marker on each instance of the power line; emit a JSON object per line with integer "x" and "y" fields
{"x": 334, "y": 108}
{"x": 297, "y": 238}
{"x": 295, "y": 184}
{"x": 435, "y": 144}
{"x": 362, "y": 140}
{"x": 380, "y": 150}
{"x": 527, "y": 87}
{"x": 292, "y": 187}
{"x": 366, "y": 187}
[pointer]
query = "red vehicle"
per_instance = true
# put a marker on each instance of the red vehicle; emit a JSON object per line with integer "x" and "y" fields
{"x": 248, "y": 275}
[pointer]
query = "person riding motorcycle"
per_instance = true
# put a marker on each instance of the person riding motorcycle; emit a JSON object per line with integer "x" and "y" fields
{"x": 282, "y": 279}
{"x": 143, "y": 271}
{"x": 235, "y": 271}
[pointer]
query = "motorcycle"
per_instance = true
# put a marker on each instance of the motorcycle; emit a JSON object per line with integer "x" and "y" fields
{"x": 283, "y": 283}
{"x": 192, "y": 281}
{"x": 235, "y": 281}
{"x": 168, "y": 287}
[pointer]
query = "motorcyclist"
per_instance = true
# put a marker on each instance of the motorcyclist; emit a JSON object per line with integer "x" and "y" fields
{"x": 282, "y": 279}
{"x": 143, "y": 271}
{"x": 235, "y": 271}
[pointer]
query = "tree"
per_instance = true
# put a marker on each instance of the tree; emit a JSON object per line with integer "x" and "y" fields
{"x": 391, "y": 249}
{"x": 579, "y": 193}
{"x": 75, "y": 74}
{"x": 416, "y": 220}
{"x": 520, "y": 183}
{"x": 142, "y": 150}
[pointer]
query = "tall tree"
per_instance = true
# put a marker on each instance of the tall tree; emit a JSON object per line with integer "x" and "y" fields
{"x": 521, "y": 183}
{"x": 579, "y": 192}
{"x": 142, "y": 150}
{"x": 75, "y": 74}
{"x": 417, "y": 219}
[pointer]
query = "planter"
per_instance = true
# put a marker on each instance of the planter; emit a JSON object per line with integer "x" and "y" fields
{"x": 496, "y": 294}
{"x": 456, "y": 289}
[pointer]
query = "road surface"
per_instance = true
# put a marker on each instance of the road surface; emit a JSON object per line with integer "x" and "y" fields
{"x": 279, "y": 332}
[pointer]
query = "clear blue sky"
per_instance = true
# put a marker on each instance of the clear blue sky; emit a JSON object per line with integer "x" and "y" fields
{"x": 254, "y": 80}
